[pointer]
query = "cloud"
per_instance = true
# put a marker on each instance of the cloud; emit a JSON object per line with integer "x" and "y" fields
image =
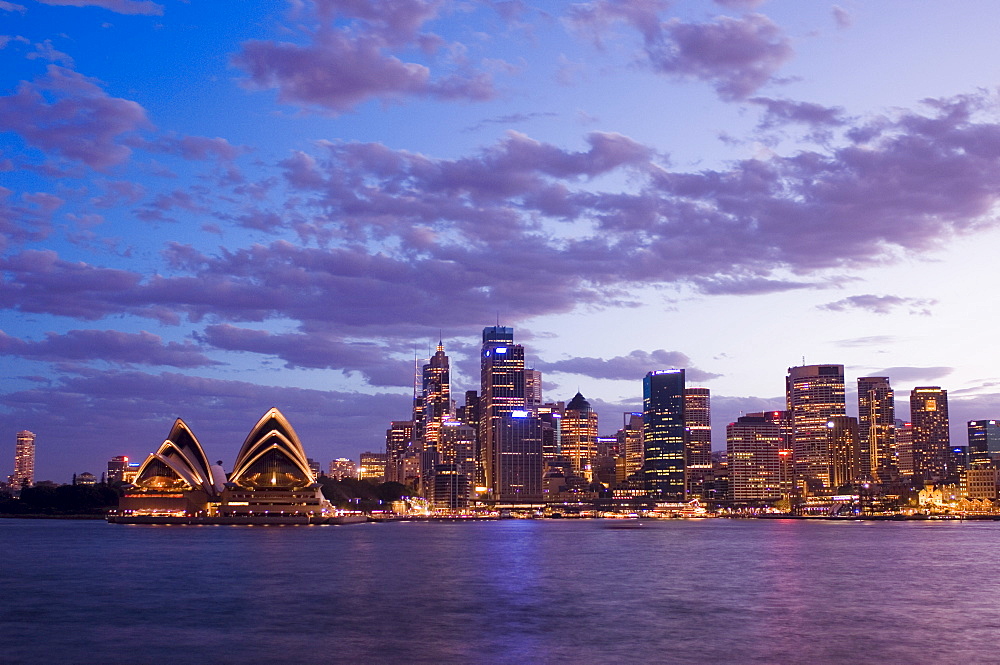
{"x": 914, "y": 374}
{"x": 779, "y": 112}
{"x": 343, "y": 66}
{"x": 68, "y": 114}
{"x": 111, "y": 346}
{"x": 12, "y": 7}
{"x": 739, "y": 4}
{"x": 143, "y": 7}
{"x": 632, "y": 367}
{"x": 79, "y": 416}
{"x": 872, "y": 340}
{"x": 316, "y": 350}
{"x": 880, "y": 304}
{"x": 842, "y": 17}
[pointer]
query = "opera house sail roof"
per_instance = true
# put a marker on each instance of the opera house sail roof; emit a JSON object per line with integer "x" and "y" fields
{"x": 179, "y": 463}
{"x": 272, "y": 457}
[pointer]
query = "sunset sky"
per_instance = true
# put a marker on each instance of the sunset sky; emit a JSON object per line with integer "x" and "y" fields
{"x": 211, "y": 208}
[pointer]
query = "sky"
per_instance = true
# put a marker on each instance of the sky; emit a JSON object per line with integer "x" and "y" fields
{"x": 211, "y": 208}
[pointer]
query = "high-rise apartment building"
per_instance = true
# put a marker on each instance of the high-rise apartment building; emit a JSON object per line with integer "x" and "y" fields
{"x": 814, "y": 394}
{"x": 984, "y": 443}
{"x": 698, "y": 439}
{"x": 753, "y": 444}
{"x": 578, "y": 439}
{"x": 904, "y": 449}
{"x": 24, "y": 460}
{"x": 664, "y": 433}
{"x": 398, "y": 438}
{"x": 501, "y": 394}
{"x": 786, "y": 467}
{"x": 931, "y": 440}
{"x": 877, "y": 427}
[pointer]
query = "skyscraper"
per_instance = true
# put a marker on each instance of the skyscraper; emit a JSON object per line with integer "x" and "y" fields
{"x": 931, "y": 440}
{"x": 876, "y": 427}
{"x": 532, "y": 388}
{"x": 984, "y": 443}
{"x": 517, "y": 471}
{"x": 630, "y": 443}
{"x": 24, "y": 460}
{"x": 814, "y": 394}
{"x": 578, "y": 440}
{"x": 844, "y": 450}
{"x": 753, "y": 444}
{"x": 663, "y": 433}
{"x": 502, "y": 393}
{"x": 397, "y": 443}
{"x": 698, "y": 443}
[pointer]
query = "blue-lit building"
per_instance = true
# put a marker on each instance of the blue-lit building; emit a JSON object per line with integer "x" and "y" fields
{"x": 502, "y": 374}
{"x": 984, "y": 443}
{"x": 663, "y": 429}
{"x": 519, "y": 462}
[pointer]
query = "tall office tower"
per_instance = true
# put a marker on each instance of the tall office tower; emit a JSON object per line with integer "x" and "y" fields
{"x": 579, "y": 436}
{"x": 468, "y": 413}
{"x": 752, "y": 450}
{"x": 663, "y": 433}
{"x": 517, "y": 472}
{"x": 984, "y": 443}
{"x": 630, "y": 443}
{"x": 786, "y": 458}
{"x": 931, "y": 441}
{"x": 876, "y": 427}
{"x": 117, "y": 468}
{"x": 551, "y": 414}
{"x": 698, "y": 443}
{"x": 904, "y": 449}
{"x": 814, "y": 393}
{"x": 532, "y": 388}
{"x": 24, "y": 460}
{"x": 398, "y": 438}
{"x": 844, "y": 449}
{"x": 458, "y": 447}
{"x": 436, "y": 395}
{"x": 501, "y": 393}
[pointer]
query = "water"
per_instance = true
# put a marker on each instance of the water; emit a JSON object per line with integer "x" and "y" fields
{"x": 519, "y": 591}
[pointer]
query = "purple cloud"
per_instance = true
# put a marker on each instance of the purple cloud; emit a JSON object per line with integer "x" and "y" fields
{"x": 779, "y": 112}
{"x": 145, "y": 7}
{"x": 631, "y": 367}
{"x": 69, "y": 114}
{"x": 914, "y": 374}
{"x": 880, "y": 304}
{"x": 842, "y": 17}
{"x": 11, "y": 7}
{"x": 736, "y": 55}
{"x": 316, "y": 350}
{"x": 344, "y": 66}
{"x": 112, "y": 346}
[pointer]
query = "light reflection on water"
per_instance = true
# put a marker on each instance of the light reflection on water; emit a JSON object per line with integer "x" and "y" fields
{"x": 520, "y": 591}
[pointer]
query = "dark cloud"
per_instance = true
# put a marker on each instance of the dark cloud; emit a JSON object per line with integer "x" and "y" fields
{"x": 343, "y": 66}
{"x": 914, "y": 374}
{"x": 79, "y": 423}
{"x": 316, "y": 350}
{"x": 880, "y": 304}
{"x": 779, "y": 112}
{"x": 111, "y": 346}
{"x": 631, "y": 367}
{"x": 146, "y": 7}
{"x": 68, "y": 114}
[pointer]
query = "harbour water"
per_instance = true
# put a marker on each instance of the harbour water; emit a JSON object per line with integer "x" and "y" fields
{"x": 513, "y": 591}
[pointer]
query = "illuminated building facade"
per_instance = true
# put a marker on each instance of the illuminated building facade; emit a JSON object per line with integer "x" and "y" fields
{"x": 501, "y": 394}
{"x": 517, "y": 472}
{"x": 436, "y": 397}
{"x": 24, "y": 460}
{"x": 663, "y": 433}
{"x": 457, "y": 452}
{"x": 814, "y": 394}
{"x": 342, "y": 467}
{"x": 753, "y": 444}
{"x": 630, "y": 444}
{"x": 844, "y": 449}
{"x": 398, "y": 439}
{"x": 877, "y": 427}
{"x": 984, "y": 443}
{"x": 786, "y": 457}
{"x": 117, "y": 469}
{"x": 578, "y": 441}
{"x": 931, "y": 440}
{"x": 904, "y": 449}
{"x": 698, "y": 439}
{"x": 532, "y": 388}
{"x": 372, "y": 466}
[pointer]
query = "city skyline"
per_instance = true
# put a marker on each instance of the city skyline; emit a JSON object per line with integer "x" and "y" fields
{"x": 204, "y": 213}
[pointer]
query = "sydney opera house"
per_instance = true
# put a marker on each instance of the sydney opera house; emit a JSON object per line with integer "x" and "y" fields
{"x": 271, "y": 482}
